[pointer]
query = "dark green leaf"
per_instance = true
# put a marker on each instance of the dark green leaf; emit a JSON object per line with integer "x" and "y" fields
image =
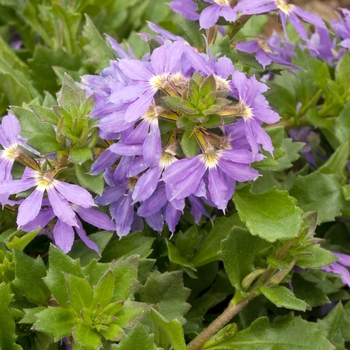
{"x": 137, "y": 336}
{"x": 90, "y": 182}
{"x": 189, "y": 144}
{"x": 80, "y": 155}
{"x": 238, "y": 252}
{"x": 168, "y": 292}
{"x": 319, "y": 192}
{"x": 342, "y": 124}
{"x": 315, "y": 257}
{"x": 29, "y": 274}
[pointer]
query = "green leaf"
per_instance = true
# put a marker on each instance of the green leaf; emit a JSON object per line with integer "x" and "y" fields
{"x": 60, "y": 263}
{"x": 30, "y": 123}
{"x": 283, "y": 297}
{"x": 79, "y": 292}
{"x": 342, "y": 125}
{"x": 45, "y": 114}
{"x": 319, "y": 192}
{"x": 113, "y": 332}
{"x": 315, "y": 257}
{"x": 137, "y": 336}
{"x": 96, "y": 48}
{"x": 173, "y": 330}
{"x": 7, "y": 323}
{"x": 176, "y": 257}
{"x": 103, "y": 291}
{"x": 89, "y": 182}
{"x": 130, "y": 313}
{"x": 29, "y": 317}
{"x": 19, "y": 239}
{"x": 81, "y": 251}
{"x": 238, "y": 252}
{"x": 44, "y": 144}
{"x": 133, "y": 244}
{"x": 271, "y": 215}
{"x": 280, "y": 335}
{"x": 337, "y": 162}
{"x": 85, "y": 337}
{"x": 332, "y": 324}
{"x": 55, "y": 321}
{"x": 29, "y": 274}
{"x": 189, "y": 144}
{"x": 210, "y": 245}
{"x": 192, "y": 30}
{"x": 80, "y": 155}
{"x": 168, "y": 292}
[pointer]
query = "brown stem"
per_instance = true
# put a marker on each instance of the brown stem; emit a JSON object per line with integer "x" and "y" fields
{"x": 220, "y": 322}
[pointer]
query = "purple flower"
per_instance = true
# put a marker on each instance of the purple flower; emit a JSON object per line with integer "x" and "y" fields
{"x": 264, "y": 53}
{"x": 342, "y": 28}
{"x": 251, "y": 7}
{"x": 186, "y": 8}
{"x": 340, "y": 267}
{"x": 219, "y": 8}
{"x": 254, "y": 110}
{"x": 223, "y": 168}
{"x": 60, "y": 194}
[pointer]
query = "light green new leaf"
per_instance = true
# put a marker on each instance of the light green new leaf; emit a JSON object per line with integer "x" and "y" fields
{"x": 60, "y": 263}
{"x": 271, "y": 215}
{"x": 291, "y": 333}
{"x": 55, "y": 321}
{"x": 342, "y": 124}
{"x": 7, "y": 323}
{"x": 283, "y": 297}
{"x": 315, "y": 257}
{"x": 44, "y": 144}
{"x": 79, "y": 292}
{"x": 85, "y": 337}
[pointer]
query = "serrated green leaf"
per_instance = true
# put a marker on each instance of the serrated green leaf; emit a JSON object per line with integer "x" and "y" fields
{"x": 96, "y": 48}
{"x": 279, "y": 335}
{"x": 113, "y": 332}
{"x": 238, "y": 251}
{"x": 210, "y": 246}
{"x": 7, "y": 323}
{"x": 166, "y": 290}
{"x": 29, "y": 316}
{"x": 315, "y": 257}
{"x": 133, "y": 244}
{"x": 271, "y": 215}
{"x": 80, "y": 155}
{"x": 29, "y": 274}
{"x": 90, "y": 182}
{"x": 85, "y": 337}
{"x": 125, "y": 273}
{"x": 283, "y": 297}
{"x": 44, "y": 144}
{"x": 56, "y": 322}
{"x": 191, "y": 28}
{"x": 45, "y": 114}
{"x": 137, "y": 336}
{"x": 79, "y": 292}
{"x": 60, "y": 263}
{"x": 173, "y": 330}
{"x": 30, "y": 123}
{"x": 20, "y": 239}
{"x": 130, "y": 313}
{"x": 319, "y": 192}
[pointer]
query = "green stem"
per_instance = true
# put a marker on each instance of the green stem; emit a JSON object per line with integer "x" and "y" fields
{"x": 313, "y": 100}
{"x": 237, "y": 26}
{"x": 232, "y": 310}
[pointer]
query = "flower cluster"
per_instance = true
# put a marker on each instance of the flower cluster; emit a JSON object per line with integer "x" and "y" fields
{"x": 186, "y": 127}
{"x": 49, "y": 198}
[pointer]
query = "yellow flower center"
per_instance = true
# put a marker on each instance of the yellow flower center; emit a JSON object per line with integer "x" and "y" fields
{"x": 45, "y": 180}
{"x": 157, "y": 81}
{"x": 284, "y": 6}
{"x": 223, "y": 2}
{"x": 10, "y": 152}
{"x": 211, "y": 159}
{"x": 166, "y": 159}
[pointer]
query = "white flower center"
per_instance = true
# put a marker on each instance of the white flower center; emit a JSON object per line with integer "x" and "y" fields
{"x": 246, "y": 111}
{"x": 211, "y": 159}
{"x": 284, "y": 6}
{"x": 44, "y": 180}
{"x": 157, "y": 81}
{"x": 223, "y": 2}
{"x": 10, "y": 152}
